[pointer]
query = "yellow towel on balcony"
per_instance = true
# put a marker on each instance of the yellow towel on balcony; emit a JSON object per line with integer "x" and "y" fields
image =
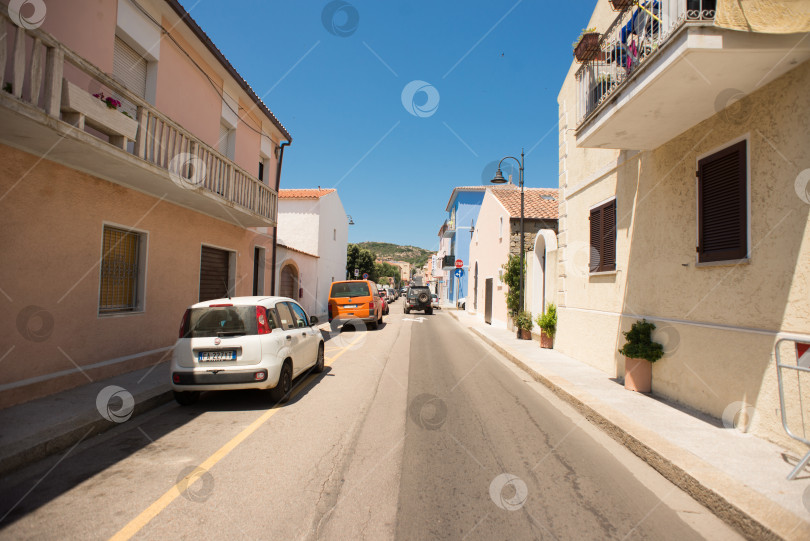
{"x": 766, "y": 16}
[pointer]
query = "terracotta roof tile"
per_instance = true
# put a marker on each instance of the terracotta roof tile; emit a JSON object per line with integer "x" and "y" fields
{"x": 290, "y": 248}
{"x": 310, "y": 193}
{"x": 539, "y": 203}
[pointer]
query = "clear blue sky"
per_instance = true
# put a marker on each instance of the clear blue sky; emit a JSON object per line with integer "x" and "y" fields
{"x": 341, "y": 96}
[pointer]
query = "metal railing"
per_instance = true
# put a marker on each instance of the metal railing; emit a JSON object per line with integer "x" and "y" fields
{"x": 797, "y": 369}
{"x": 634, "y": 37}
{"x": 36, "y": 62}
{"x": 449, "y": 261}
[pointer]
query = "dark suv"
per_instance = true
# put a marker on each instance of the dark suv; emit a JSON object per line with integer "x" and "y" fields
{"x": 418, "y": 298}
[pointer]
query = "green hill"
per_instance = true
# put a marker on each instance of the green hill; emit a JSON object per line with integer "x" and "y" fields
{"x": 412, "y": 254}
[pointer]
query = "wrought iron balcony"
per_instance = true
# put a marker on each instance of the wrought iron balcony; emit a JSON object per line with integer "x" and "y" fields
{"x": 633, "y": 39}
{"x": 50, "y": 116}
{"x": 448, "y": 229}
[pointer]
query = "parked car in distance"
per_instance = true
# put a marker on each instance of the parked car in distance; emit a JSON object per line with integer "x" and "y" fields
{"x": 403, "y": 290}
{"x": 391, "y": 294}
{"x": 434, "y": 301}
{"x": 244, "y": 343}
{"x": 355, "y": 299}
{"x": 418, "y": 298}
{"x": 383, "y": 295}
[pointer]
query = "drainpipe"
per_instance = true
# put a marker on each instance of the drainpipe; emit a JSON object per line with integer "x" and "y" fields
{"x": 275, "y": 229}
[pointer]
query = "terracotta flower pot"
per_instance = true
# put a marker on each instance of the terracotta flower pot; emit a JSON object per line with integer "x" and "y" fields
{"x": 524, "y": 334}
{"x": 637, "y": 375}
{"x": 546, "y": 341}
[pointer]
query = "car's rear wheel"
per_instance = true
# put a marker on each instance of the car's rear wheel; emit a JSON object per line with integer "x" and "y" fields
{"x": 429, "y": 311}
{"x": 407, "y": 310}
{"x": 186, "y": 398}
{"x": 281, "y": 392}
{"x": 318, "y": 368}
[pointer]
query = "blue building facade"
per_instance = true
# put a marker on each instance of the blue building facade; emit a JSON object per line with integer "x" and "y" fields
{"x": 462, "y": 214}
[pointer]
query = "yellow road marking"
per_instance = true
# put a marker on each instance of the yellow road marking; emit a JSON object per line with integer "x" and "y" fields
{"x": 136, "y": 524}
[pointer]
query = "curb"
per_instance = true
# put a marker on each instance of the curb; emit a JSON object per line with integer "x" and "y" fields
{"x": 753, "y": 515}
{"x": 64, "y": 436}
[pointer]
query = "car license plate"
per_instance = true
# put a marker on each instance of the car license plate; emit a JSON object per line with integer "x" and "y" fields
{"x": 350, "y": 305}
{"x": 223, "y": 355}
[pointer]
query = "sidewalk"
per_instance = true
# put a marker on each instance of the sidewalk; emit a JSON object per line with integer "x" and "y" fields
{"x": 53, "y": 424}
{"x": 740, "y": 477}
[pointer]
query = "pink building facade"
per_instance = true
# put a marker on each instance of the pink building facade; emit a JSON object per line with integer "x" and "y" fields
{"x": 118, "y": 215}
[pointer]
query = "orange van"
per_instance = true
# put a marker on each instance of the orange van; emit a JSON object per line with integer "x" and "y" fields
{"x": 355, "y": 299}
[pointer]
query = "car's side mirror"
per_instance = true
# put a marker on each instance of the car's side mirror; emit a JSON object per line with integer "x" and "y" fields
{"x": 313, "y": 320}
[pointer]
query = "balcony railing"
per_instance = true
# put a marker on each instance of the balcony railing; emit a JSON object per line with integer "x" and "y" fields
{"x": 449, "y": 262}
{"x": 37, "y": 62}
{"x": 448, "y": 228}
{"x": 635, "y": 36}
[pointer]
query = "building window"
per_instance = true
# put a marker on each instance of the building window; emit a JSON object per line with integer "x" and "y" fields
{"x": 723, "y": 205}
{"x": 334, "y": 234}
{"x": 261, "y": 171}
{"x": 227, "y": 141}
{"x": 603, "y": 237}
{"x": 500, "y": 229}
{"x": 121, "y": 283}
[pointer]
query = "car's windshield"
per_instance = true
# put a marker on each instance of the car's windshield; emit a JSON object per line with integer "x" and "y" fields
{"x": 350, "y": 289}
{"x": 414, "y": 291}
{"x": 222, "y": 321}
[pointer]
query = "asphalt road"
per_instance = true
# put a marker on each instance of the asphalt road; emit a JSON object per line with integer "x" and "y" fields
{"x": 415, "y": 431}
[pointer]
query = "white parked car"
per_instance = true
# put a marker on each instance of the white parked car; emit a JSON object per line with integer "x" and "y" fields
{"x": 434, "y": 301}
{"x": 244, "y": 343}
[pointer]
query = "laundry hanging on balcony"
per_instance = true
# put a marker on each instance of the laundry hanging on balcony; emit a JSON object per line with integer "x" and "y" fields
{"x": 637, "y": 35}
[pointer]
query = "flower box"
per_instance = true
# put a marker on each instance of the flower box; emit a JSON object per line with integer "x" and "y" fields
{"x": 588, "y": 47}
{"x": 81, "y": 108}
{"x": 621, "y": 5}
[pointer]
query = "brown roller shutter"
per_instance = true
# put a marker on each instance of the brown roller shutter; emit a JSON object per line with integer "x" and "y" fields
{"x": 603, "y": 238}
{"x": 214, "y": 278}
{"x": 722, "y": 206}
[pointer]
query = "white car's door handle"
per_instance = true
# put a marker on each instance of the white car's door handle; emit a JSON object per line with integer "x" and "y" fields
{"x": 289, "y": 337}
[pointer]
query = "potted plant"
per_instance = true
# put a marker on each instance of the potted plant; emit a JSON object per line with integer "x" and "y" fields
{"x": 548, "y": 326}
{"x": 524, "y": 324}
{"x": 640, "y": 352}
{"x": 587, "y": 45}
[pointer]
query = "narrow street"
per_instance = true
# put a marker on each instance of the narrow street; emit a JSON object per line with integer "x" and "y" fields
{"x": 414, "y": 431}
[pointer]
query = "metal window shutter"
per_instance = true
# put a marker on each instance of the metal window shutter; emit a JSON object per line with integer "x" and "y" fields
{"x": 596, "y": 240}
{"x": 214, "y": 279}
{"x": 722, "y": 205}
{"x": 129, "y": 67}
{"x": 608, "y": 237}
{"x": 119, "y": 270}
{"x": 224, "y": 131}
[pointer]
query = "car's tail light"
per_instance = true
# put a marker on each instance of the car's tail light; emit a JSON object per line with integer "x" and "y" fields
{"x": 261, "y": 321}
{"x": 370, "y": 307}
{"x": 176, "y": 378}
{"x": 184, "y": 324}
{"x": 329, "y": 311}
{"x": 259, "y": 376}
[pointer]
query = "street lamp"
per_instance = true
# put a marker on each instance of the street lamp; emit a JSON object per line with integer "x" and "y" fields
{"x": 500, "y": 180}
{"x": 349, "y": 216}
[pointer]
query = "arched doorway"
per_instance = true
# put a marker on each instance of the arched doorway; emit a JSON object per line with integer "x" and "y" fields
{"x": 288, "y": 281}
{"x": 546, "y": 241}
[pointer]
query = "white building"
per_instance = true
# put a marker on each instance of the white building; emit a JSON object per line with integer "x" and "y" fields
{"x": 313, "y": 234}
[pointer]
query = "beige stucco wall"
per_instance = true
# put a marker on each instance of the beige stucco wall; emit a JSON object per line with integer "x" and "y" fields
{"x": 490, "y": 250}
{"x": 705, "y": 367}
{"x": 52, "y": 219}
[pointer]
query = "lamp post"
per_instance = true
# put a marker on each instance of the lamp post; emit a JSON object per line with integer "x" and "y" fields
{"x": 349, "y": 216}
{"x": 500, "y": 180}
